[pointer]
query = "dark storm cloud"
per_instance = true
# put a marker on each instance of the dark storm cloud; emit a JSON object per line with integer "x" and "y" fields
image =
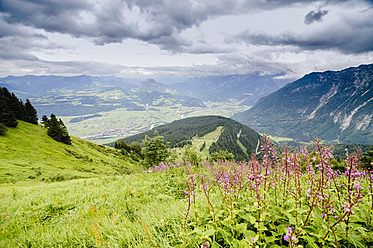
{"x": 315, "y": 16}
{"x": 355, "y": 41}
{"x": 351, "y": 35}
{"x": 154, "y": 21}
{"x": 53, "y": 16}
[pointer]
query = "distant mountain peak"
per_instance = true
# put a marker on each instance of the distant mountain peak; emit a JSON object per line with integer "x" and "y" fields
{"x": 151, "y": 85}
{"x": 336, "y": 106}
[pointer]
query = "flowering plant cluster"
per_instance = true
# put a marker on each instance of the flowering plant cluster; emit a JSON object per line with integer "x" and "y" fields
{"x": 288, "y": 199}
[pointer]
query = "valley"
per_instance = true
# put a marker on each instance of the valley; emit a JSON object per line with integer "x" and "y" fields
{"x": 186, "y": 124}
{"x": 121, "y": 122}
{"x": 219, "y": 183}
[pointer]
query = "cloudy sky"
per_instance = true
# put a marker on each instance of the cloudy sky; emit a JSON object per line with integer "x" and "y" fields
{"x": 183, "y": 38}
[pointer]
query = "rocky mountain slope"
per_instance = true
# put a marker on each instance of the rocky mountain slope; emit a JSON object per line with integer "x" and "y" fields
{"x": 336, "y": 106}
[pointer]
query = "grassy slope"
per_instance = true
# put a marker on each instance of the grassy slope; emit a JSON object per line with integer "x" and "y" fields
{"x": 27, "y": 153}
{"x": 96, "y": 212}
{"x": 197, "y": 143}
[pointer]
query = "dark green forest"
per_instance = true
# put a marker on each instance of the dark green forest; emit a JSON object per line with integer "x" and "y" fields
{"x": 235, "y": 137}
{"x": 234, "y": 133}
{"x": 13, "y": 109}
{"x": 180, "y": 131}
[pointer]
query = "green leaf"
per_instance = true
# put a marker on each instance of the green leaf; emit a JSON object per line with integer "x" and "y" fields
{"x": 215, "y": 245}
{"x": 198, "y": 231}
{"x": 355, "y": 240}
{"x": 290, "y": 217}
{"x": 270, "y": 239}
{"x": 242, "y": 227}
{"x": 249, "y": 218}
{"x": 249, "y": 234}
{"x": 209, "y": 232}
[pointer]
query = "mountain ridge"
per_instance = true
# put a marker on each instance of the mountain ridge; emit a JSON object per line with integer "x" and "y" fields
{"x": 233, "y": 137}
{"x": 335, "y": 106}
{"x": 244, "y": 88}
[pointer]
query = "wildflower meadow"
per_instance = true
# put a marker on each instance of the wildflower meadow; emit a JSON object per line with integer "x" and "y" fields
{"x": 277, "y": 199}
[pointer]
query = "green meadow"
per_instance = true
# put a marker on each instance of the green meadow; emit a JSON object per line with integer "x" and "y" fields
{"x": 28, "y": 154}
{"x": 89, "y": 195}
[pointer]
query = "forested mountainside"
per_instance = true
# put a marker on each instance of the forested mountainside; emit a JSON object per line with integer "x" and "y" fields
{"x": 236, "y": 138}
{"x": 336, "y": 106}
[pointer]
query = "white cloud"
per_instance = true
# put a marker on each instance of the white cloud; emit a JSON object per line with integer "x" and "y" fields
{"x": 188, "y": 38}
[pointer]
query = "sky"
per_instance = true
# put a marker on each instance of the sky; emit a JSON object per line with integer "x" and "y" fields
{"x": 183, "y": 38}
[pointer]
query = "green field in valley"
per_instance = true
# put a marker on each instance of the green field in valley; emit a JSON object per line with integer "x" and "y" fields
{"x": 120, "y": 123}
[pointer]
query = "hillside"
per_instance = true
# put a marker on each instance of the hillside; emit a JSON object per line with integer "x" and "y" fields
{"x": 234, "y": 137}
{"x": 27, "y": 153}
{"x": 335, "y": 106}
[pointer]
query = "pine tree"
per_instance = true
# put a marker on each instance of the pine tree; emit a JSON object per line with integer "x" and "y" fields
{"x": 30, "y": 114}
{"x": 45, "y": 121}
{"x": 57, "y": 130}
{"x": 136, "y": 147}
{"x": 7, "y": 117}
{"x": 121, "y": 144}
{"x": 12, "y": 108}
{"x": 155, "y": 151}
{"x": 17, "y": 107}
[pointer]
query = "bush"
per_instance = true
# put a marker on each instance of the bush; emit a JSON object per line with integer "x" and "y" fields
{"x": 222, "y": 156}
{"x": 191, "y": 155}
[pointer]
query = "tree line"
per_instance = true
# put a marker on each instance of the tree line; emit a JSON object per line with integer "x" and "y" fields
{"x": 179, "y": 133}
{"x": 13, "y": 109}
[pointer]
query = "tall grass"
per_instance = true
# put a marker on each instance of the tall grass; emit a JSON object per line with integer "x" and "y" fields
{"x": 131, "y": 211}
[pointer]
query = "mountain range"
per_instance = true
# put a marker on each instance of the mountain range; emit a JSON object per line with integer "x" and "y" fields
{"x": 244, "y": 88}
{"x": 83, "y": 95}
{"x": 34, "y": 86}
{"x": 335, "y": 106}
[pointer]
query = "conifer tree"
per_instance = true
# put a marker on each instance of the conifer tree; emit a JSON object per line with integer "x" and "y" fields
{"x": 121, "y": 144}
{"x": 12, "y": 108}
{"x": 30, "y": 114}
{"x": 44, "y": 121}
{"x": 7, "y": 117}
{"x": 155, "y": 151}
{"x": 136, "y": 147}
{"x": 57, "y": 130}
